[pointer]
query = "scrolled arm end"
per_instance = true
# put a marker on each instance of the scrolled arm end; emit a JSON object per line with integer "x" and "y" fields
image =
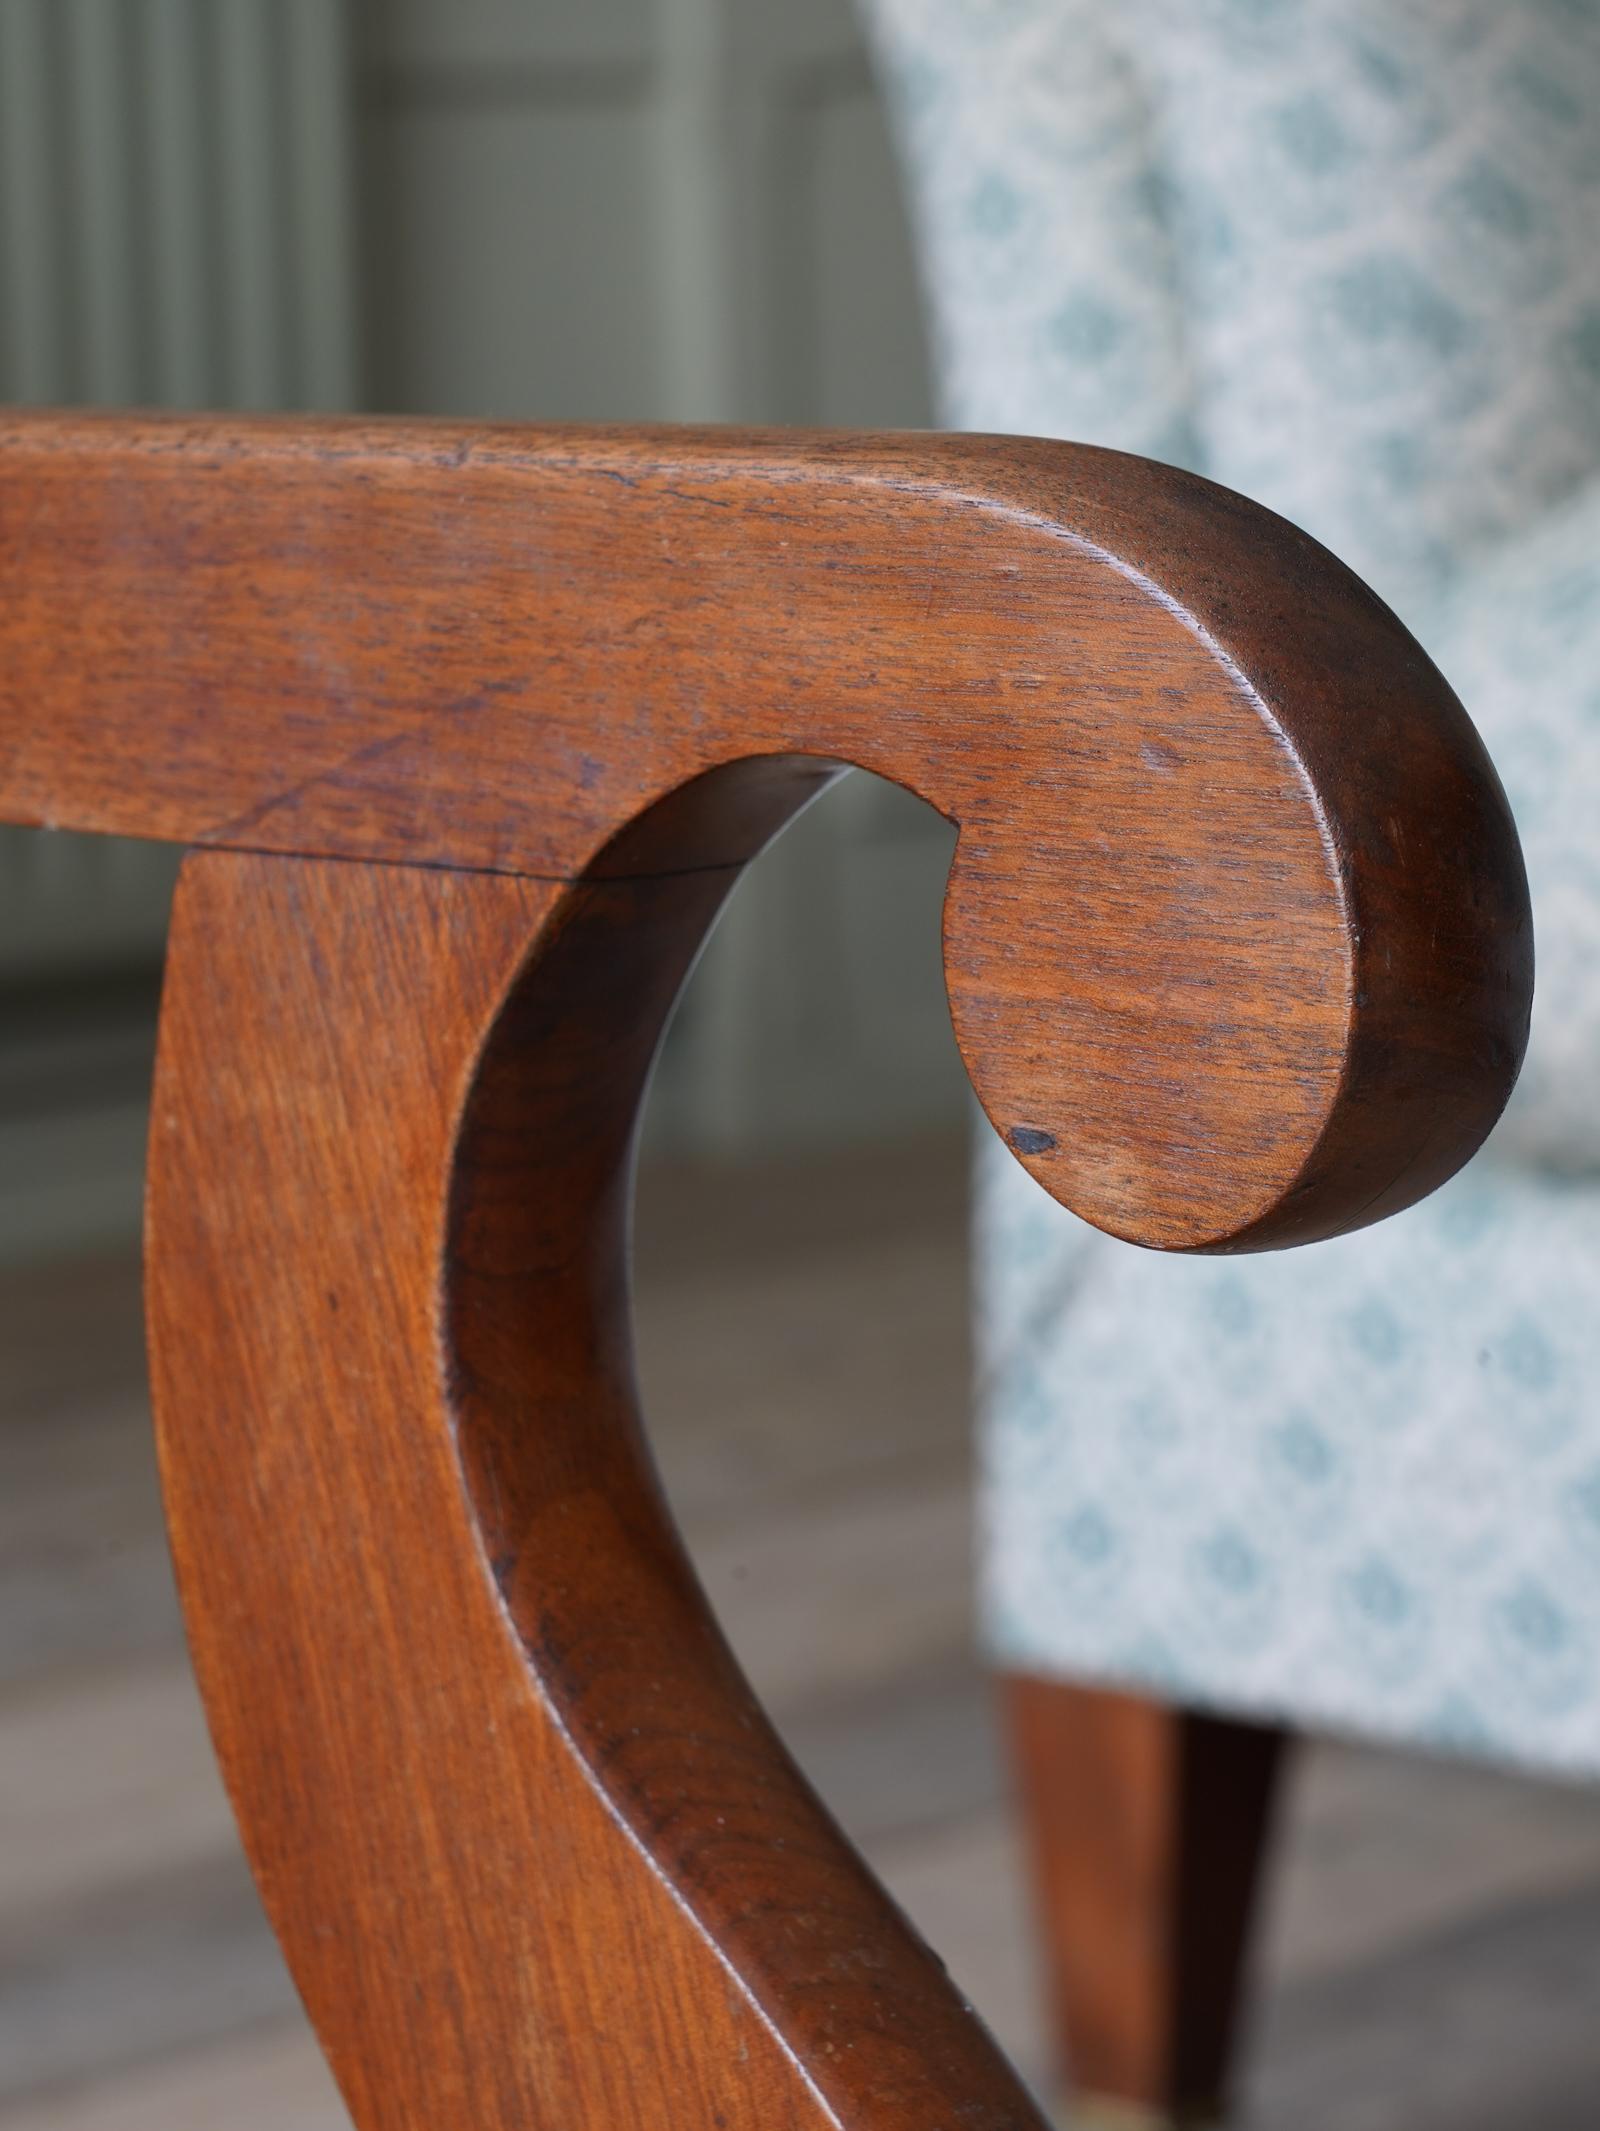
{"x": 1246, "y": 959}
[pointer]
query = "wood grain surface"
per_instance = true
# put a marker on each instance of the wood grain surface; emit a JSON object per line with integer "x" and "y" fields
{"x": 1148, "y": 1829}
{"x": 1236, "y": 936}
{"x": 481, "y": 726}
{"x": 534, "y": 1854}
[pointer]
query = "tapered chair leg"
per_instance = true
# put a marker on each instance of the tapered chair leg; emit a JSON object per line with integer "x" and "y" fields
{"x": 1147, "y": 1826}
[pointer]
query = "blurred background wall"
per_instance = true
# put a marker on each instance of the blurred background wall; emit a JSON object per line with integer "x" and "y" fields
{"x": 531, "y": 209}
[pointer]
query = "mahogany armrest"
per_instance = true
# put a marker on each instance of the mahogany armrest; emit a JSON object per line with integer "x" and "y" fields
{"x": 471, "y": 731}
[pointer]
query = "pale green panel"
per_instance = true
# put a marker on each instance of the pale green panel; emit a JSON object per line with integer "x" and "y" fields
{"x": 785, "y": 34}
{"x": 511, "y": 261}
{"x": 861, "y": 316}
{"x": 532, "y": 33}
{"x": 817, "y": 1013}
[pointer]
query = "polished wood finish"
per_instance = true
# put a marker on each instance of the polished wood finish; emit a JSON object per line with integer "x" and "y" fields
{"x": 532, "y": 1848}
{"x": 474, "y": 730}
{"x": 1236, "y": 932}
{"x": 1147, "y": 1828}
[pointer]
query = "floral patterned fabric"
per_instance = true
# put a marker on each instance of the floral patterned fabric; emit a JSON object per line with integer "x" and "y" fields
{"x": 1344, "y": 255}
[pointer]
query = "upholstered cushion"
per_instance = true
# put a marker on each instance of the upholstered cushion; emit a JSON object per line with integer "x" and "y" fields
{"x": 1046, "y": 247}
{"x": 1358, "y": 1483}
{"x": 1341, "y": 254}
{"x": 1355, "y": 1486}
{"x": 1386, "y": 214}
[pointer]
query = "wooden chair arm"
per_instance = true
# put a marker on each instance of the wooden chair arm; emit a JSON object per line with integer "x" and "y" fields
{"x": 471, "y": 730}
{"x": 1237, "y": 929}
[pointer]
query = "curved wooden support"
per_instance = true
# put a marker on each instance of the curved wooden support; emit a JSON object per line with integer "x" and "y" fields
{"x": 481, "y": 726}
{"x": 534, "y": 1854}
{"x": 1237, "y": 928}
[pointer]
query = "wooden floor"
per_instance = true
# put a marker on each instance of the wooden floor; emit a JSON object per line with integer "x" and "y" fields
{"x": 1434, "y": 1956}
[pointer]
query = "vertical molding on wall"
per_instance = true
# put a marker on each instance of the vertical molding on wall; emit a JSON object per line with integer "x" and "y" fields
{"x": 282, "y": 151}
{"x": 176, "y": 180}
{"x": 176, "y": 186}
{"x": 100, "y": 141}
{"x": 32, "y": 249}
{"x": 319, "y": 75}
{"x": 250, "y": 174}
{"x": 174, "y": 68}
{"x": 176, "y": 211}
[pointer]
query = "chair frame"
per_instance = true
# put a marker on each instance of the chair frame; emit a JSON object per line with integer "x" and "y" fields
{"x": 470, "y": 731}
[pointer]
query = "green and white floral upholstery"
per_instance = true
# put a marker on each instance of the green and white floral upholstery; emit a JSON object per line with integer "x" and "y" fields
{"x": 1344, "y": 255}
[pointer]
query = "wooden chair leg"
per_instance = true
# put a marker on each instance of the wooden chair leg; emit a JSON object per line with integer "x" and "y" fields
{"x": 1147, "y": 1827}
